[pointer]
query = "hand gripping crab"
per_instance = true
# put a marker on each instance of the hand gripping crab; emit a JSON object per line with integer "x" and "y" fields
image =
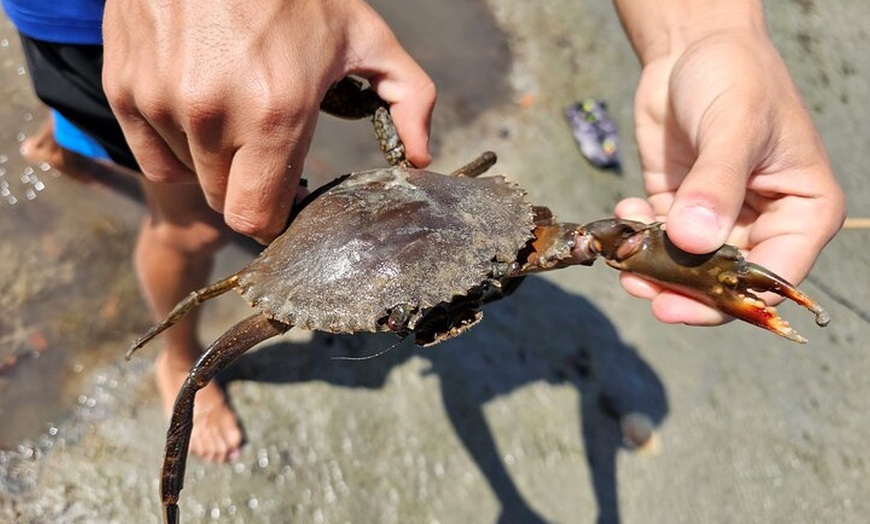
{"x": 414, "y": 252}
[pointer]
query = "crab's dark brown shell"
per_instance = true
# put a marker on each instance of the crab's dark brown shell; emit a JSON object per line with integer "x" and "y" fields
{"x": 386, "y": 238}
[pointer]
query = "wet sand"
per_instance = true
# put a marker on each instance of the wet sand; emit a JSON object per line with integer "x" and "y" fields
{"x": 508, "y": 421}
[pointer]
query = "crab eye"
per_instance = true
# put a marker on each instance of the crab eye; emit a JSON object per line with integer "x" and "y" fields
{"x": 397, "y": 320}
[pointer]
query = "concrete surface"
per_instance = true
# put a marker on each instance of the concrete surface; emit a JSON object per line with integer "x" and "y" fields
{"x": 505, "y": 424}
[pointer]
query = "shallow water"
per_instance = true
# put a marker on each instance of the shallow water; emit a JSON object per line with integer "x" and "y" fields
{"x": 63, "y": 252}
{"x": 66, "y": 289}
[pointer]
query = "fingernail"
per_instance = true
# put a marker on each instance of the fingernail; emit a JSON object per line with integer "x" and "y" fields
{"x": 700, "y": 226}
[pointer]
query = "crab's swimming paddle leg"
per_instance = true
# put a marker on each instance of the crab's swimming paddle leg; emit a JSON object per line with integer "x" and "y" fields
{"x": 231, "y": 345}
{"x": 192, "y": 300}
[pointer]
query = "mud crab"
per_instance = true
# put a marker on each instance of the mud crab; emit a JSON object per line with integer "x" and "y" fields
{"x": 414, "y": 252}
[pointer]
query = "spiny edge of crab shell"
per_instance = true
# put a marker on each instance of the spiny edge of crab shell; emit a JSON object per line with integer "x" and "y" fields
{"x": 287, "y": 299}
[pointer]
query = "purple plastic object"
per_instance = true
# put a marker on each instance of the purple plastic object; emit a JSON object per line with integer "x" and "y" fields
{"x": 595, "y": 133}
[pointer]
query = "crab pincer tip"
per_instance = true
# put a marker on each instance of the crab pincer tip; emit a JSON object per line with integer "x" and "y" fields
{"x": 135, "y": 347}
{"x": 781, "y": 327}
{"x": 794, "y": 336}
{"x": 823, "y": 318}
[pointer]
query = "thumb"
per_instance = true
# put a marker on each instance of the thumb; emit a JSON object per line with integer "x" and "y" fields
{"x": 709, "y": 199}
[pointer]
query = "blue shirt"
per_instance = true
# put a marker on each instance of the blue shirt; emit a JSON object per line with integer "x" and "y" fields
{"x": 58, "y": 21}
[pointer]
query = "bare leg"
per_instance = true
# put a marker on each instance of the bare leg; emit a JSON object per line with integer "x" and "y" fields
{"x": 41, "y": 147}
{"x": 174, "y": 256}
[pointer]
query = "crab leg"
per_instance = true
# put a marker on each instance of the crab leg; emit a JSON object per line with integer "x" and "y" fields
{"x": 722, "y": 279}
{"x": 192, "y": 301}
{"x": 554, "y": 245}
{"x": 231, "y": 345}
{"x": 349, "y": 99}
{"x": 478, "y": 166}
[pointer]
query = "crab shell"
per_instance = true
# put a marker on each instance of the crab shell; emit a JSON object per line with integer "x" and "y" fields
{"x": 385, "y": 240}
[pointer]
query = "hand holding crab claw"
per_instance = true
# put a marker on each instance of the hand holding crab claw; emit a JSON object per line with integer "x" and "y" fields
{"x": 722, "y": 280}
{"x": 679, "y": 306}
{"x": 728, "y": 151}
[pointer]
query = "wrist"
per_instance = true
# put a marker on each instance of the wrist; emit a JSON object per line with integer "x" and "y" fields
{"x": 662, "y": 28}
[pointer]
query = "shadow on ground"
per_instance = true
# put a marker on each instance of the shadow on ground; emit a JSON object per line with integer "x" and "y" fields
{"x": 578, "y": 345}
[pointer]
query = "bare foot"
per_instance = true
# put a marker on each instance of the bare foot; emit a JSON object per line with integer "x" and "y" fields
{"x": 42, "y": 148}
{"x": 216, "y": 436}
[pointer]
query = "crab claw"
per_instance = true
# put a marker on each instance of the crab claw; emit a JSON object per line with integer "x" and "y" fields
{"x": 722, "y": 279}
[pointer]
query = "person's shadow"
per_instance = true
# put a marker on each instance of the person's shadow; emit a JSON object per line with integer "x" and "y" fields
{"x": 574, "y": 343}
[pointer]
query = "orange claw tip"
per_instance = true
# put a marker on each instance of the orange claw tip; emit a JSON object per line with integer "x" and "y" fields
{"x": 769, "y": 319}
{"x": 755, "y": 311}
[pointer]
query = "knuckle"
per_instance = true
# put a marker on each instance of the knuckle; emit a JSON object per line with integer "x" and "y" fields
{"x": 427, "y": 91}
{"x": 201, "y": 116}
{"x": 120, "y": 98}
{"x": 161, "y": 174}
{"x": 153, "y": 105}
{"x": 201, "y": 108}
{"x": 276, "y": 108}
{"x": 163, "y": 168}
{"x": 115, "y": 80}
{"x": 117, "y": 95}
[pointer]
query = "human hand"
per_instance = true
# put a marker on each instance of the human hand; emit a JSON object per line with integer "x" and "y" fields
{"x": 730, "y": 155}
{"x": 227, "y": 93}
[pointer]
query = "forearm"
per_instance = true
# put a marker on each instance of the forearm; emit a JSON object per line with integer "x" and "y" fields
{"x": 657, "y": 28}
